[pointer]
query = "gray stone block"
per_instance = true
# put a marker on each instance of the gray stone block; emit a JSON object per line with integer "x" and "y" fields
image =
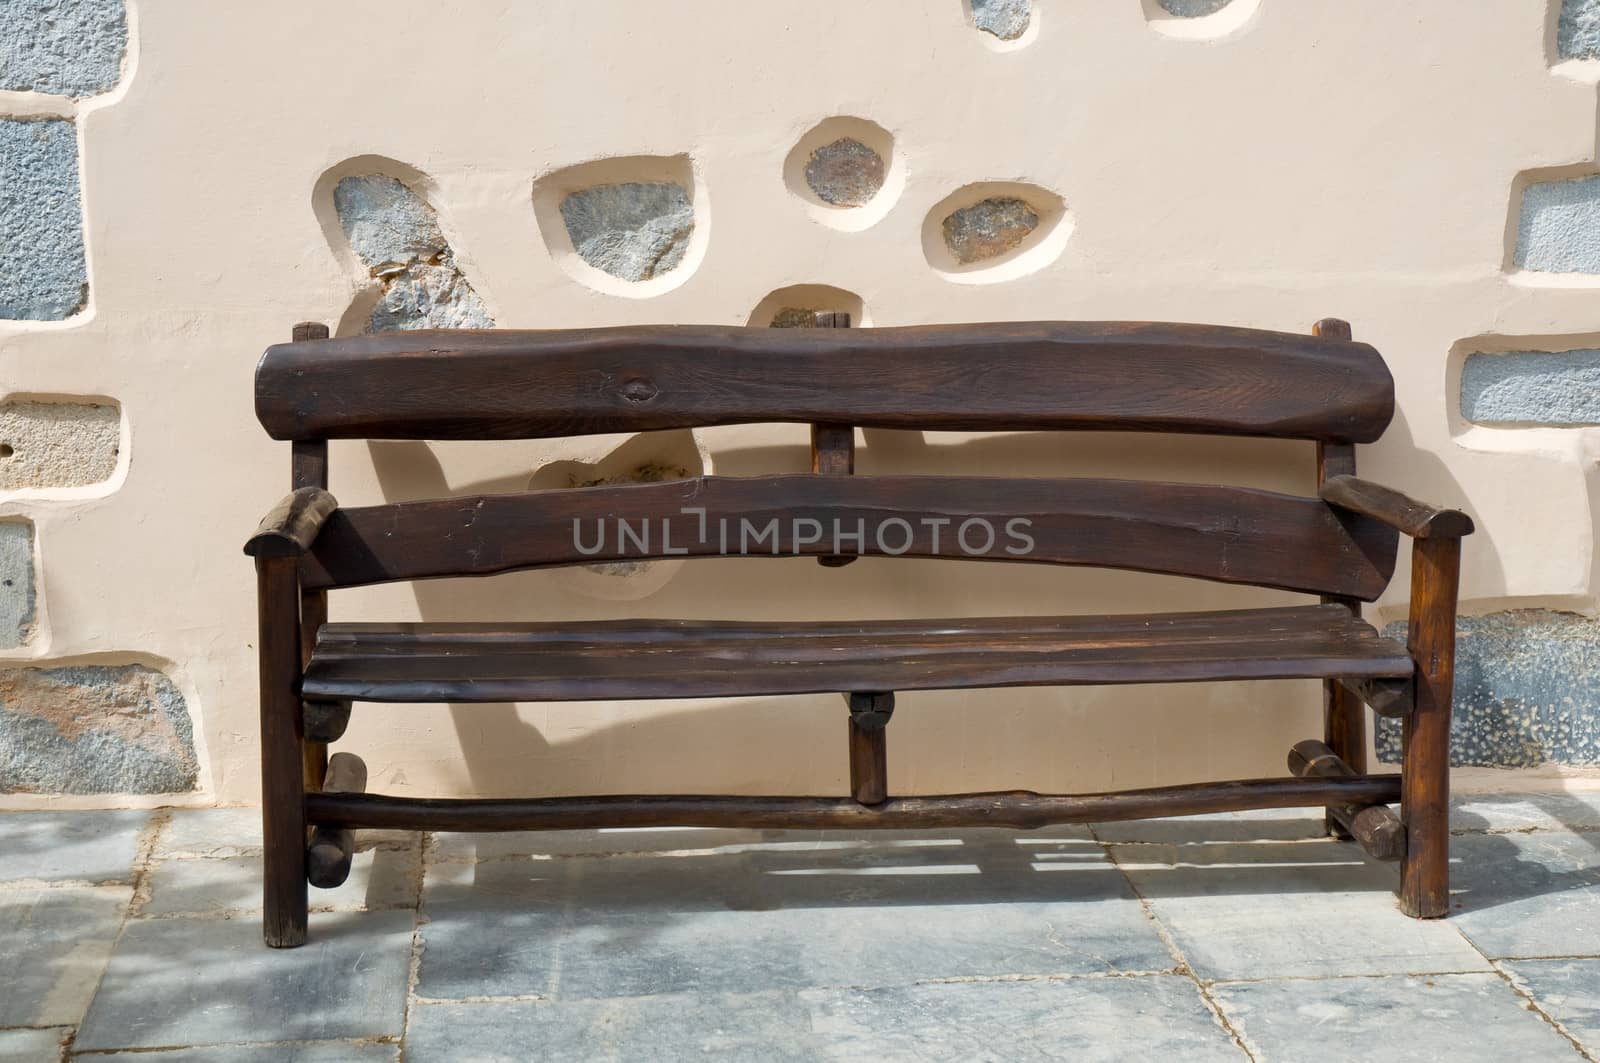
{"x": 17, "y": 604}
{"x": 1088, "y": 1019}
{"x": 92, "y": 847}
{"x": 32, "y": 1046}
{"x": 1288, "y": 910}
{"x": 1527, "y": 895}
{"x": 989, "y": 228}
{"x": 1192, "y": 8}
{"x": 91, "y": 729}
{"x": 1578, "y": 30}
{"x": 847, "y": 173}
{"x": 789, "y": 918}
{"x": 1527, "y": 691}
{"x": 379, "y": 878}
{"x": 1465, "y": 1018}
{"x": 1558, "y": 230}
{"x": 635, "y": 231}
{"x": 396, "y": 235}
{"x": 1006, "y": 19}
{"x": 210, "y": 832}
{"x": 305, "y": 1052}
{"x": 55, "y": 943}
{"x": 62, "y": 47}
{"x": 1257, "y": 825}
{"x": 196, "y": 982}
{"x": 43, "y": 276}
{"x": 1525, "y": 812}
{"x": 57, "y": 444}
{"x": 1568, "y": 991}
{"x": 1532, "y": 388}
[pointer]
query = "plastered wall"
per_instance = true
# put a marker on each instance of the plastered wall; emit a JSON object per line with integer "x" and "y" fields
{"x": 184, "y": 181}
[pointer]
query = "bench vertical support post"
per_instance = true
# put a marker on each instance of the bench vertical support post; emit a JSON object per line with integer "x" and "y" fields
{"x": 283, "y": 813}
{"x": 833, "y": 446}
{"x": 309, "y": 468}
{"x": 1425, "y": 772}
{"x": 1344, "y": 717}
{"x": 869, "y": 747}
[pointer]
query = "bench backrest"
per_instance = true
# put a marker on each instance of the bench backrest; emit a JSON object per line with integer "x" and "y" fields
{"x": 997, "y": 377}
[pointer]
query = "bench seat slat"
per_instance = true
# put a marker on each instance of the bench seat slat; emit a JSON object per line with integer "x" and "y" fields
{"x": 682, "y": 659}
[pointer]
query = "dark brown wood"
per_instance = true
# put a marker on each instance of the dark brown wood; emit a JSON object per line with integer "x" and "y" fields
{"x": 325, "y": 721}
{"x": 1387, "y": 697}
{"x": 1375, "y": 827}
{"x": 291, "y": 526}
{"x": 1417, "y": 519}
{"x": 1018, "y": 809}
{"x": 608, "y": 660}
{"x": 833, "y": 445}
{"x": 1230, "y": 534}
{"x": 308, "y": 467}
{"x": 869, "y": 746}
{"x": 1131, "y": 376}
{"x": 1425, "y": 792}
{"x": 331, "y": 850}
{"x": 314, "y": 751}
{"x": 282, "y": 779}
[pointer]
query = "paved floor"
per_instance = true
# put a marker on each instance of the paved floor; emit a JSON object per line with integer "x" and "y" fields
{"x": 133, "y": 936}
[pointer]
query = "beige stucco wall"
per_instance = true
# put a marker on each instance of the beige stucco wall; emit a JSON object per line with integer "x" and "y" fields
{"x": 1353, "y": 158}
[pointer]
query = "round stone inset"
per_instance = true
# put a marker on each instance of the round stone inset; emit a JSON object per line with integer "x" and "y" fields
{"x": 845, "y": 172}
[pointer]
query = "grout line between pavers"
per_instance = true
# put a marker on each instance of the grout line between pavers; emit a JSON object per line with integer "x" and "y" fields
{"x": 1533, "y": 1005}
{"x": 90, "y": 1053}
{"x": 1171, "y": 943}
{"x": 425, "y": 843}
{"x": 144, "y": 855}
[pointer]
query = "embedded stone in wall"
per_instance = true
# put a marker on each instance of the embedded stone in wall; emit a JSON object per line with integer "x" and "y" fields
{"x": 1193, "y": 8}
{"x": 1527, "y": 692}
{"x": 1532, "y": 388}
{"x": 845, "y": 173}
{"x": 1006, "y": 19}
{"x": 16, "y": 583}
{"x": 989, "y": 228}
{"x": 1559, "y": 228}
{"x": 62, "y": 47}
{"x": 795, "y": 317}
{"x": 634, "y": 231}
{"x": 92, "y": 729}
{"x": 42, "y": 272}
{"x": 1578, "y": 30}
{"x": 57, "y": 444}
{"x": 396, "y": 235}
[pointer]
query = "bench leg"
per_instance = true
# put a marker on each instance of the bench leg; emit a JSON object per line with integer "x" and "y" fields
{"x": 283, "y": 812}
{"x": 1345, "y": 732}
{"x": 1425, "y": 772}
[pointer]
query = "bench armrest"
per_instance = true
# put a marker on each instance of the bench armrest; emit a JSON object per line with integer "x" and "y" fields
{"x": 292, "y": 526}
{"x": 1417, "y": 519}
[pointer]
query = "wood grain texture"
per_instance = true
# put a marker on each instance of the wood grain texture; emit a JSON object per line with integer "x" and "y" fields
{"x": 1425, "y": 735}
{"x": 1375, "y": 827}
{"x": 608, "y": 660}
{"x": 1130, "y": 376}
{"x": 1018, "y": 809}
{"x": 1230, "y": 534}
{"x": 283, "y": 822}
{"x": 325, "y": 722}
{"x": 868, "y": 737}
{"x": 1417, "y": 519}
{"x": 1387, "y": 697}
{"x": 291, "y": 526}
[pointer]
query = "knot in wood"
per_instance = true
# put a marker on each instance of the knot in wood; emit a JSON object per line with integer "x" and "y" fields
{"x": 639, "y": 390}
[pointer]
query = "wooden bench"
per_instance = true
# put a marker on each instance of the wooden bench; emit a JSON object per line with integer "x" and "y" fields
{"x": 1339, "y": 546}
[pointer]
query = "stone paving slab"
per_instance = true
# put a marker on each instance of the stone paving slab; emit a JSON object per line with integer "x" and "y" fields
{"x": 1289, "y": 910}
{"x": 379, "y": 878}
{"x": 215, "y": 832}
{"x": 1527, "y": 895}
{"x": 1082, "y": 1019}
{"x": 1262, "y": 824}
{"x": 190, "y": 982}
{"x": 581, "y": 928}
{"x": 304, "y": 1052}
{"x": 1468, "y": 1018}
{"x": 31, "y": 1046}
{"x": 1516, "y": 812}
{"x": 55, "y": 944}
{"x": 89, "y": 847}
{"x": 1568, "y": 991}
